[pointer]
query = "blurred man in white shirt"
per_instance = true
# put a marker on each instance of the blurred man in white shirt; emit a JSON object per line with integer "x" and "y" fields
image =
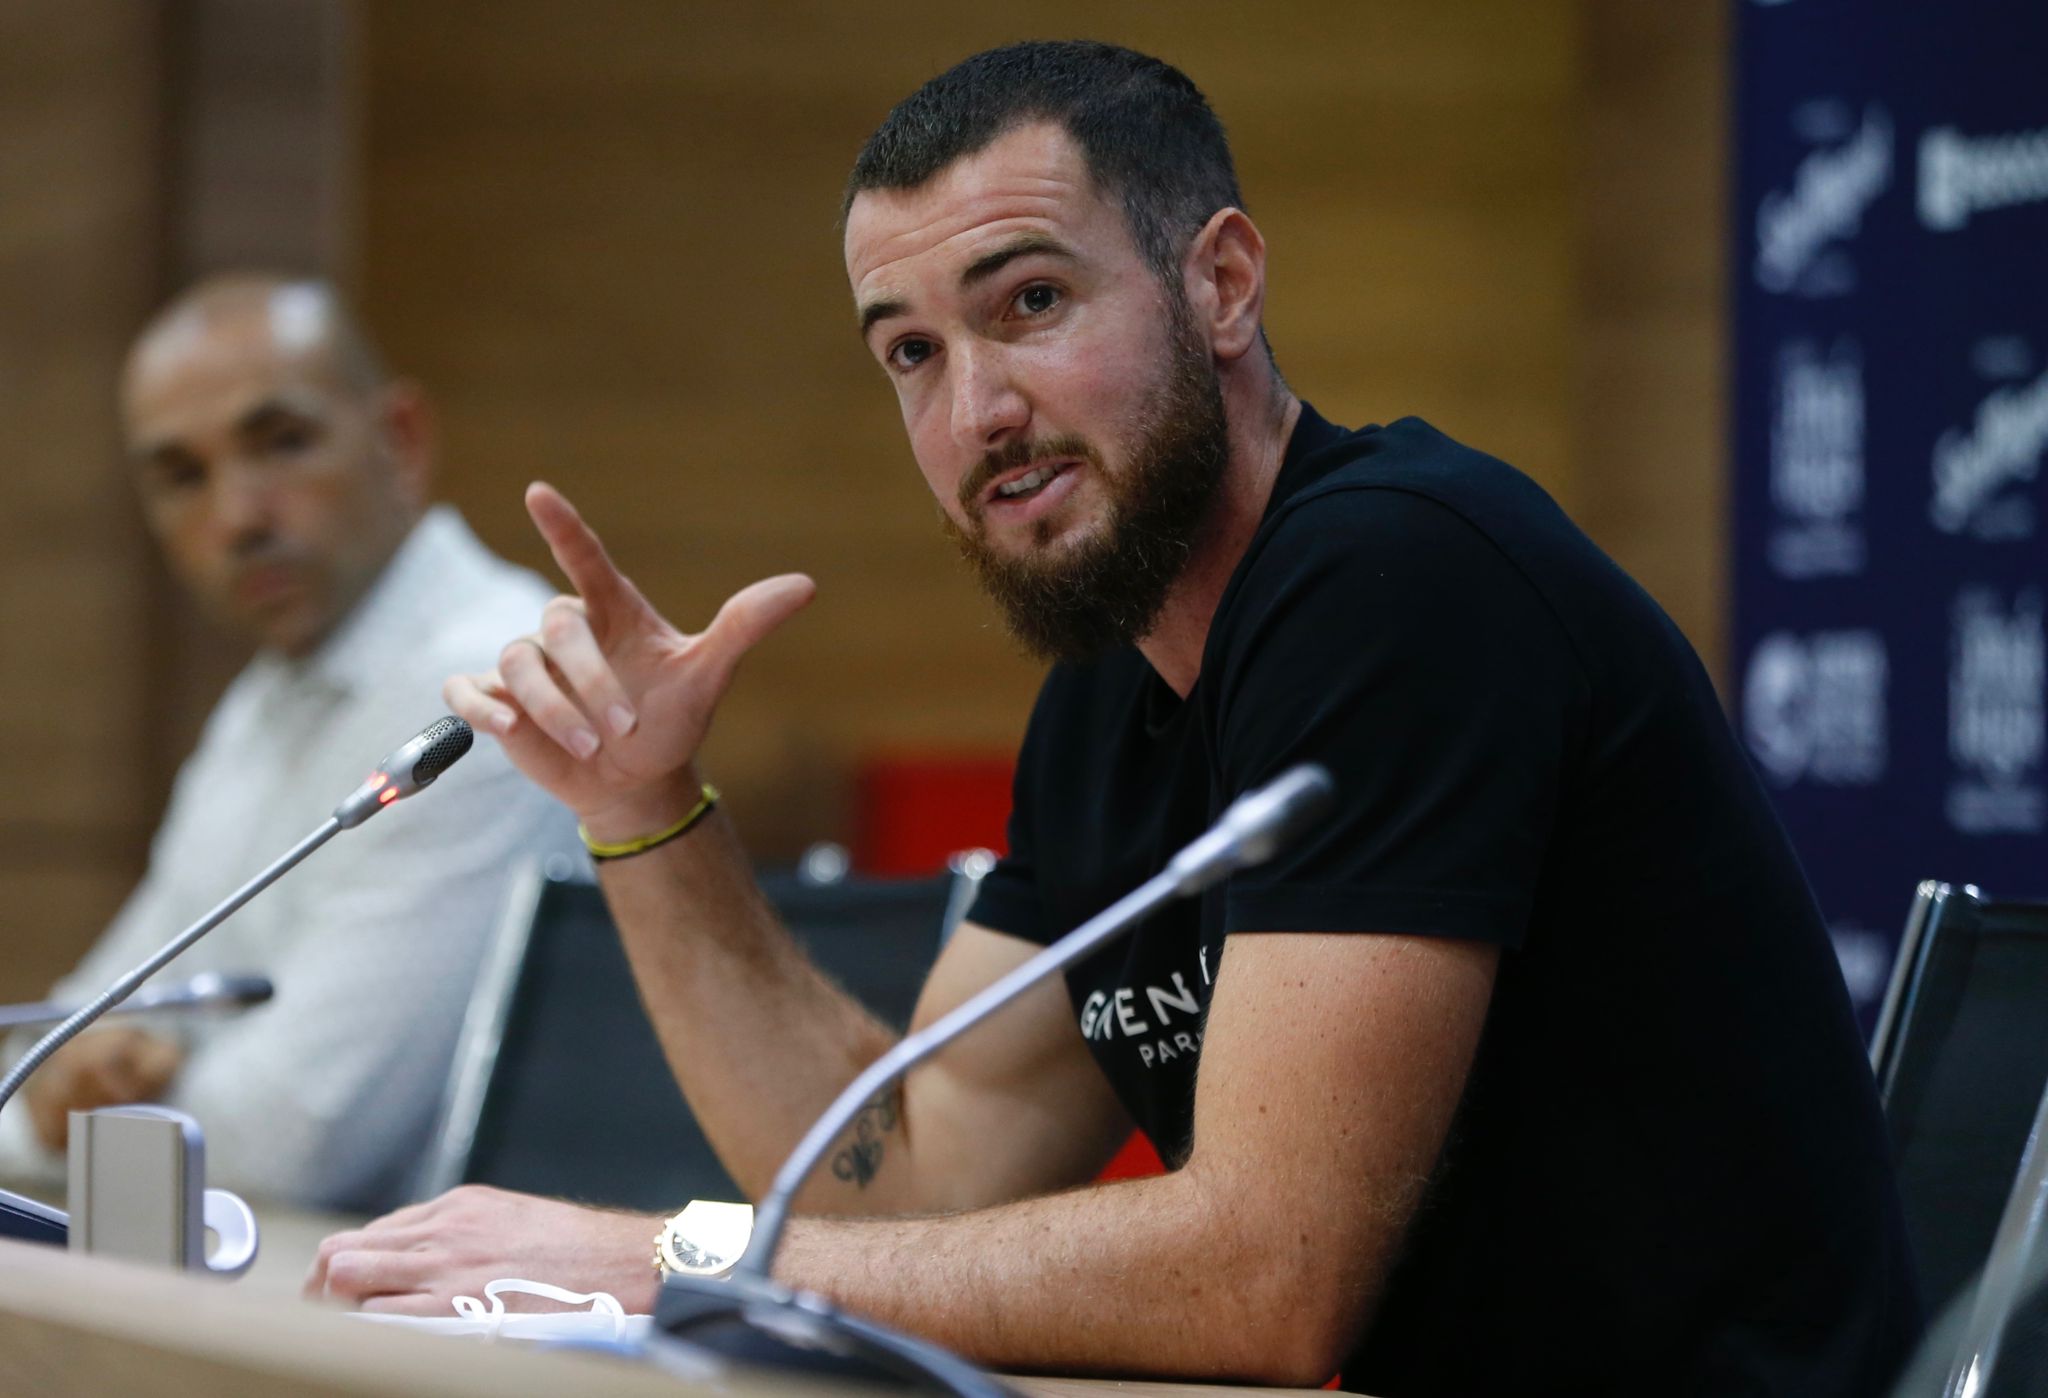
{"x": 286, "y": 474}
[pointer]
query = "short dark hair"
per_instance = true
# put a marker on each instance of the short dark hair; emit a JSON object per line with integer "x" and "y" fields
{"x": 1146, "y": 131}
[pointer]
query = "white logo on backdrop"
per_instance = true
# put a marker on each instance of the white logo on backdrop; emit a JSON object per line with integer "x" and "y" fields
{"x": 1996, "y": 718}
{"x": 1830, "y": 192}
{"x": 2003, "y": 446}
{"x": 1813, "y": 707}
{"x": 1964, "y": 175}
{"x": 1817, "y": 461}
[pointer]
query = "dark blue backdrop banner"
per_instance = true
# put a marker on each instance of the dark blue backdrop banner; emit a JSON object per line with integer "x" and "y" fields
{"x": 1891, "y": 410}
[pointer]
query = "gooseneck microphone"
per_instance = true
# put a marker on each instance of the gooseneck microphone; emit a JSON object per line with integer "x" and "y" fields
{"x": 1249, "y": 832}
{"x": 409, "y": 769}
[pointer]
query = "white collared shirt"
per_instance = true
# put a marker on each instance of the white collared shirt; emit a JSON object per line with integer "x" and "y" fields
{"x": 325, "y": 1095}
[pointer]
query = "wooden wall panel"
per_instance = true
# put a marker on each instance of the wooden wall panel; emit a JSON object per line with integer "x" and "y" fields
{"x": 1652, "y": 155}
{"x": 604, "y": 237}
{"x": 78, "y": 94}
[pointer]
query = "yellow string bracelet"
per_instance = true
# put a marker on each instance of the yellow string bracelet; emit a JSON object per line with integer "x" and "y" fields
{"x": 624, "y": 848}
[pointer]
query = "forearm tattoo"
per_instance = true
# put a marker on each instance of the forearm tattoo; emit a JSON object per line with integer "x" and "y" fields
{"x": 861, "y": 1157}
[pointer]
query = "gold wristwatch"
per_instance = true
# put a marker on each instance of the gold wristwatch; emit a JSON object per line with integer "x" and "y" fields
{"x": 704, "y": 1240}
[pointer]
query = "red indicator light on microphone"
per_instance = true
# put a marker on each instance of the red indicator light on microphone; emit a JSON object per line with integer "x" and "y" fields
{"x": 387, "y": 796}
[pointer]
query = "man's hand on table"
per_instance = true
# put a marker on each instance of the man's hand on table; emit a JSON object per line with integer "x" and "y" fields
{"x": 100, "y": 1068}
{"x": 417, "y": 1260}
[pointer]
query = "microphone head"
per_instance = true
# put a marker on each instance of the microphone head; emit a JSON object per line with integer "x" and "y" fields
{"x": 439, "y": 747}
{"x": 1281, "y": 809}
{"x": 410, "y": 768}
{"x": 213, "y": 989}
{"x": 1254, "y": 827}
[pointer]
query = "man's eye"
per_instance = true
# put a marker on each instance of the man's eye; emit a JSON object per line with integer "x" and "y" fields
{"x": 908, "y": 354}
{"x": 1037, "y": 299}
{"x": 288, "y": 440}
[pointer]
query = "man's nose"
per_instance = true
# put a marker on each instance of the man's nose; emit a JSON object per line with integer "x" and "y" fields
{"x": 242, "y": 502}
{"x": 988, "y": 406}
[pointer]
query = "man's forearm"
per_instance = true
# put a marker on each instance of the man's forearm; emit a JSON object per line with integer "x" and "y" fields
{"x": 758, "y": 1038}
{"x": 1154, "y": 1276}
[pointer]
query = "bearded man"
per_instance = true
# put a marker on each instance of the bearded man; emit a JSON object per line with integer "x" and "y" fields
{"x": 1530, "y": 1070}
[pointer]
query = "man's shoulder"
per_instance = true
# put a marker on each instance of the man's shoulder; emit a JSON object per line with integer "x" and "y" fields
{"x": 504, "y": 603}
{"x": 1362, "y": 478}
{"x": 463, "y": 563}
{"x": 1405, "y": 545}
{"x": 1410, "y": 509}
{"x": 1395, "y": 507}
{"x": 466, "y": 602}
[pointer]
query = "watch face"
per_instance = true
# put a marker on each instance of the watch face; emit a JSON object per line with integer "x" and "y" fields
{"x": 707, "y": 1238}
{"x": 686, "y": 1256}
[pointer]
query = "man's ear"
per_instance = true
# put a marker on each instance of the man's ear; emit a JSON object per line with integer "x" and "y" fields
{"x": 1225, "y": 272}
{"x": 405, "y": 421}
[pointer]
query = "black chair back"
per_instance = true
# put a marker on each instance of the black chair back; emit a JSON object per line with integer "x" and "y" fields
{"x": 1991, "y": 1339}
{"x": 1961, "y": 1057}
{"x": 560, "y": 1086}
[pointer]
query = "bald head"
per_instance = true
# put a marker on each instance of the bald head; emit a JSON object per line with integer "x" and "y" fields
{"x": 279, "y": 464}
{"x": 294, "y": 317}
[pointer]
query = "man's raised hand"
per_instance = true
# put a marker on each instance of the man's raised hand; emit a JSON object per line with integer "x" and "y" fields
{"x": 606, "y": 705}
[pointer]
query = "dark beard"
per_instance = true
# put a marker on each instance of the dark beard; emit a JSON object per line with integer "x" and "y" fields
{"x": 1107, "y": 591}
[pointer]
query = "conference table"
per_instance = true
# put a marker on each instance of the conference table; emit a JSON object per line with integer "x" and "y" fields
{"x": 73, "y": 1324}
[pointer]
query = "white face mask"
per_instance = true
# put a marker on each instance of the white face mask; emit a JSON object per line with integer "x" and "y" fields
{"x": 606, "y": 1322}
{"x": 495, "y": 1318}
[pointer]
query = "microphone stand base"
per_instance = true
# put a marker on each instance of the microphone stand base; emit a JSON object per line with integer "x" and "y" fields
{"x": 760, "y": 1324}
{"x": 23, "y": 1220}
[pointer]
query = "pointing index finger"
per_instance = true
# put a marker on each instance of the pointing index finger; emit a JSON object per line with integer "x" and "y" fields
{"x": 577, "y": 549}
